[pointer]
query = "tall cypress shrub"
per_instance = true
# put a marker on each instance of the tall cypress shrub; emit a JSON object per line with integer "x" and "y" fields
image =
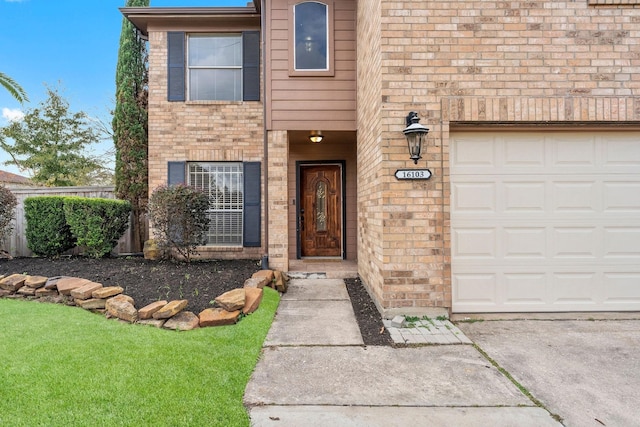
{"x": 130, "y": 124}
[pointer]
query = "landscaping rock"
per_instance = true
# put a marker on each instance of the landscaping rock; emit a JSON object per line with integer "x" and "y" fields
{"x": 183, "y": 321}
{"x": 232, "y": 300}
{"x": 218, "y": 317}
{"x": 122, "y": 309}
{"x": 123, "y": 297}
{"x": 280, "y": 282}
{"x": 4, "y": 293}
{"x": 44, "y": 292}
{"x": 265, "y": 276}
{"x": 26, "y": 291}
{"x": 66, "y": 284}
{"x": 35, "y": 281}
{"x": 13, "y": 282}
{"x": 253, "y": 283}
{"x": 158, "y": 323}
{"x": 146, "y": 312}
{"x": 171, "y": 309}
{"x": 56, "y": 298}
{"x": 86, "y": 291}
{"x": 52, "y": 282}
{"x": 253, "y": 297}
{"x": 107, "y": 292}
{"x": 92, "y": 303}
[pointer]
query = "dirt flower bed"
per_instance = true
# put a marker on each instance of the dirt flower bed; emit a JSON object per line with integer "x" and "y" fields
{"x": 199, "y": 282}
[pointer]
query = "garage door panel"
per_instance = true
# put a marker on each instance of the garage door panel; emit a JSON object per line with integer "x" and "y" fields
{"x": 622, "y": 196}
{"x": 561, "y": 235}
{"x": 573, "y": 150}
{"x": 529, "y": 152}
{"x": 623, "y": 155}
{"x": 525, "y": 288}
{"x": 525, "y": 242}
{"x": 474, "y": 197}
{"x": 622, "y": 288}
{"x": 574, "y": 242}
{"x": 521, "y": 196}
{"x": 622, "y": 242}
{"x": 575, "y": 196}
{"x": 574, "y": 288}
{"x": 475, "y": 289}
{"x": 474, "y": 151}
{"x": 475, "y": 243}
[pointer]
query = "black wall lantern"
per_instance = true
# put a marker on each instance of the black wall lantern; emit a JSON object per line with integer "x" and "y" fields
{"x": 415, "y": 133}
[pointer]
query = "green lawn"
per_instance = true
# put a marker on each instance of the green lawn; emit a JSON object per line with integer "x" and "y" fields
{"x": 63, "y": 366}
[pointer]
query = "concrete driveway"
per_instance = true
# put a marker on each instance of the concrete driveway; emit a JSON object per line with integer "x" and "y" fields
{"x": 587, "y": 372}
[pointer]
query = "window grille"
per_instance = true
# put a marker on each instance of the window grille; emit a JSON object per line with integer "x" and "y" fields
{"x": 223, "y": 183}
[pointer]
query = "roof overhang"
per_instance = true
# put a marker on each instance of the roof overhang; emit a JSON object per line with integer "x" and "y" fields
{"x": 169, "y": 18}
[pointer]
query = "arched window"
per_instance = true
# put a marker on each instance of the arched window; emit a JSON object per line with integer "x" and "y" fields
{"x": 311, "y": 36}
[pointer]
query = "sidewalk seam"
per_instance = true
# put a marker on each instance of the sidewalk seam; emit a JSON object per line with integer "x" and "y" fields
{"x": 519, "y": 386}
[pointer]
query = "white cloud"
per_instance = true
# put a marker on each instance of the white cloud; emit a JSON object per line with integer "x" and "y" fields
{"x": 12, "y": 115}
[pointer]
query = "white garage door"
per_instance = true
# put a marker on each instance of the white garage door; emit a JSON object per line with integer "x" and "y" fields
{"x": 545, "y": 221}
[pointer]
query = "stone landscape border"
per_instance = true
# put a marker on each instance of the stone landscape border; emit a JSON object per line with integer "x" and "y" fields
{"x": 110, "y": 301}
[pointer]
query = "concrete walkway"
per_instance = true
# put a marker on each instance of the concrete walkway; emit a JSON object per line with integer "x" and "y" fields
{"x": 316, "y": 371}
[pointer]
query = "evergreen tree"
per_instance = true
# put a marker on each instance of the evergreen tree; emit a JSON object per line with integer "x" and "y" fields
{"x": 50, "y": 143}
{"x": 130, "y": 124}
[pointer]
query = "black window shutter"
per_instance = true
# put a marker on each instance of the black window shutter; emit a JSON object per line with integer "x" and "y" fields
{"x": 252, "y": 219}
{"x": 176, "y": 66}
{"x": 251, "y": 65}
{"x": 177, "y": 173}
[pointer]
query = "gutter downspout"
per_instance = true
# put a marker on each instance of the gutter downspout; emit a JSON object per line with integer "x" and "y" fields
{"x": 265, "y": 257}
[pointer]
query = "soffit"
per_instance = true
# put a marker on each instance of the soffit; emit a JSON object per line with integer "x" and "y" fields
{"x": 185, "y": 18}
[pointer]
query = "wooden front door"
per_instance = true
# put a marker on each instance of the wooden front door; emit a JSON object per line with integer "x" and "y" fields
{"x": 320, "y": 213}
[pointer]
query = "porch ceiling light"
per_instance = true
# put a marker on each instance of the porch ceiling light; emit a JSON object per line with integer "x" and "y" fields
{"x": 415, "y": 134}
{"x": 316, "y": 136}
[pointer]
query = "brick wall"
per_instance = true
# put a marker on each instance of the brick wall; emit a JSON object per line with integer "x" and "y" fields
{"x": 278, "y": 200}
{"x": 522, "y": 63}
{"x": 369, "y": 147}
{"x": 199, "y": 131}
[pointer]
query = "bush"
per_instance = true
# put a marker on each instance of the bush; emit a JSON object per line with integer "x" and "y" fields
{"x": 179, "y": 217}
{"x": 96, "y": 223}
{"x": 47, "y": 231}
{"x": 8, "y": 205}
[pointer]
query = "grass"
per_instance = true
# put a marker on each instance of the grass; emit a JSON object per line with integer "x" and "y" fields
{"x": 63, "y": 366}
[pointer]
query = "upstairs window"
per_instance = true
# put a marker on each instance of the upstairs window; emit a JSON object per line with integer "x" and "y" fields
{"x": 215, "y": 67}
{"x": 311, "y": 38}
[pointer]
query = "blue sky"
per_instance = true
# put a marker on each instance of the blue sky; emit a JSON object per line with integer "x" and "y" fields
{"x": 70, "y": 44}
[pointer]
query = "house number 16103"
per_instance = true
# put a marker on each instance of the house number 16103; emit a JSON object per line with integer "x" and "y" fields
{"x": 413, "y": 174}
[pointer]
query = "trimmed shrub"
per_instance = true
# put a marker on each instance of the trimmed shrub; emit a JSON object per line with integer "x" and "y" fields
{"x": 47, "y": 231}
{"x": 179, "y": 217}
{"x": 96, "y": 223}
{"x": 8, "y": 205}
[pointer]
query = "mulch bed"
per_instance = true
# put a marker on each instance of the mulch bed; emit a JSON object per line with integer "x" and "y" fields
{"x": 199, "y": 282}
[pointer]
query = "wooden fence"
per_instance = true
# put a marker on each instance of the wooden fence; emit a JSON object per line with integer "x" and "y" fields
{"x": 16, "y": 244}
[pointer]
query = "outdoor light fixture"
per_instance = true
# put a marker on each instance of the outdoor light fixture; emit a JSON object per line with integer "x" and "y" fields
{"x": 415, "y": 133}
{"x": 316, "y": 136}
